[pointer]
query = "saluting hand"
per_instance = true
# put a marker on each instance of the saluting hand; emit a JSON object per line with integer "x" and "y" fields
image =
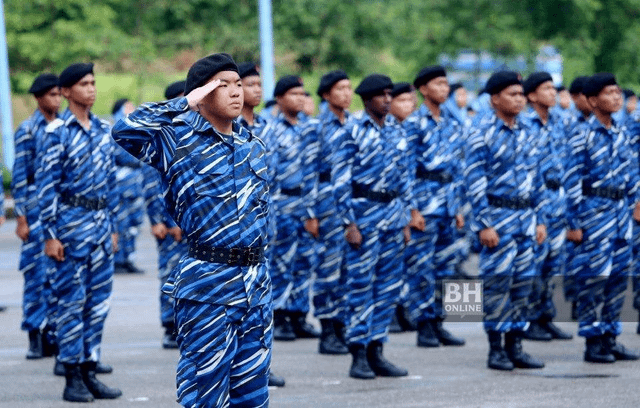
{"x": 159, "y": 230}
{"x": 311, "y": 226}
{"x": 417, "y": 221}
{"x": 22, "y": 229}
{"x": 54, "y": 249}
{"x": 197, "y": 95}
{"x": 541, "y": 233}
{"x": 489, "y": 238}
{"x": 353, "y": 236}
{"x": 176, "y": 233}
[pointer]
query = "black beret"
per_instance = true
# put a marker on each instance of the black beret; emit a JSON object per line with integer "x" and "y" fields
{"x": 74, "y": 73}
{"x": 285, "y": 83}
{"x": 205, "y": 68}
{"x": 501, "y": 80}
{"x": 246, "y": 69}
{"x": 118, "y": 105}
{"x": 329, "y": 79}
{"x": 628, "y": 93}
{"x": 535, "y": 80}
{"x": 453, "y": 88}
{"x": 270, "y": 103}
{"x": 373, "y": 85}
{"x": 577, "y": 85}
{"x": 400, "y": 88}
{"x": 561, "y": 88}
{"x": 596, "y": 83}
{"x": 174, "y": 90}
{"x": 427, "y": 74}
{"x": 43, "y": 83}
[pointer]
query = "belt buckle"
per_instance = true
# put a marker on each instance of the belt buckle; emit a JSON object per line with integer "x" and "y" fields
{"x": 253, "y": 258}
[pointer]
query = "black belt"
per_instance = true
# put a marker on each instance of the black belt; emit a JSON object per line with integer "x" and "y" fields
{"x": 553, "y": 184}
{"x": 324, "y": 177}
{"x": 31, "y": 179}
{"x": 508, "y": 202}
{"x": 93, "y": 204}
{"x": 604, "y": 192}
{"x": 362, "y": 191}
{"x": 291, "y": 191}
{"x": 439, "y": 176}
{"x": 229, "y": 256}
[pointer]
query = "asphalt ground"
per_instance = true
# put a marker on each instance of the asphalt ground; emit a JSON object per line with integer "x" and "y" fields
{"x": 442, "y": 377}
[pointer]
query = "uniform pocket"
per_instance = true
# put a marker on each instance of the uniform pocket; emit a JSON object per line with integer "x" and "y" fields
{"x": 213, "y": 176}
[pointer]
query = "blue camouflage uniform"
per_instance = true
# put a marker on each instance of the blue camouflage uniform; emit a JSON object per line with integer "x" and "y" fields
{"x": 550, "y": 256}
{"x": 505, "y": 188}
{"x": 373, "y": 191}
{"x": 292, "y": 151}
{"x": 216, "y": 190}
{"x": 77, "y": 199}
{"x": 602, "y": 185}
{"x": 169, "y": 250}
{"x": 37, "y": 304}
{"x": 434, "y": 159}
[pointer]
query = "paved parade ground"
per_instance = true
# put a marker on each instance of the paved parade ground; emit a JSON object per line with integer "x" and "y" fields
{"x": 443, "y": 377}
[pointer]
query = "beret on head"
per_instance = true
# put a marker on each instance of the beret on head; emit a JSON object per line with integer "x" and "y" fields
{"x": 118, "y": 105}
{"x": 577, "y": 85}
{"x": 501, "y": 80}
{"x": 174, "y": 90}
{"x": 597, "y": 83}
{"x": 427, "y": 74}
{"x": 561, "y": 88}
{"x": 373, "y": 85}
{"x": 329, "y": 79}
{"x": 535, "y": 80}
{"x": 269, "y": 103}
{"x": 74, "y": 73}
{"x": 205, "y": 68}
{"x": 400, "y": 88}
{"x": 285, "y": 83}
{"x": 628, "y": 93}
{"x": 43, "y": 83}
{"x": 247, "y": 69}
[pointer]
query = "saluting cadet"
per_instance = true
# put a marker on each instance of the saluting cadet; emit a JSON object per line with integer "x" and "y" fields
{"x": 214, "y": 179}
{"x": 329, "y": 292}
{"x": 547, "y": 130}
{"x": 373, "y": 192}
{"x": 129, "y": 179}
{"x": 435, "y": 161}
{"x": 293, "y": 148}
{"x": 252, "y": 88}
{"x": 504, "y": 187}
{"x": 37, "y": 305}
{"x": 602, "y": 186}
{"x": 78, "y": 203}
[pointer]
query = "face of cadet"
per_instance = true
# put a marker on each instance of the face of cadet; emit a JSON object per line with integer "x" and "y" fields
{"x": 252, "y": 90}
{"x": 462, "y": 97}
{"x": 379, "y": 105}
{"x": 402, "y": 105}
{"x": 609, "y": 100}
{"x": 632, "y": 104}
{"x": 82, "y": 92}
{"x": 436, "y": 90}
{"x": 510, "y": 101}
{"x": 50, "y": 102}
{"x": 292, "y": 101}
{"x": 340, "y": 94}
{"x": 581, "y": 102}
{"x": 309, "y": 105}
{"x": 564, "y": 99}
{"x": 545, "y": 94}
{"x": 225, "y": 102}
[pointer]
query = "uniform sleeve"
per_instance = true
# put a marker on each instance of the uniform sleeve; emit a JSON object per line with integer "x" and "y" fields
{"x": 476, "y": 180}
{"x": 407, "y": 177}
{"x": 457, "y": 166}
{"x": 113, "y": 199}
{"x": 20, "y": 168}
{"x": 343, "y": 149}
{"x": 412, "y": 136}
{"x": 575, "y": 173}
{"x": 310, "y": 168}
{"x": 147, "y": 132}
{"x": 52, "y": 153}
{"x": 153, "y": 195}
{"x": 541, "y": 195}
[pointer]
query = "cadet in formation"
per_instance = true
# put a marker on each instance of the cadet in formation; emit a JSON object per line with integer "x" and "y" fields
{"x": 215, "y": 181}
{"x": 76, "y": 185}
{"x": 37, "y": 301}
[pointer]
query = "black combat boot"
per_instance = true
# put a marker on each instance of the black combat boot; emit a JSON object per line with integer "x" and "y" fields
{"x": 301, "y": 328}
{"x": 445, "y": 337}
{"x": 380, "y": 365}
{"x": 520, "y": 359}
{"x": 49, "y": 344}
{"x": 638, "y": 328}
{"x": 102, "y": 368}
{"x": 282, "y": 329}
{"x": 403, "y": 319}
{"x": 169, "y": 339}
{"x": 275, "y": 380}
{"x": 394, "y": 327}
{"x": 360, "y": 368}
{"x": 75, "y": 390}
{"x": 427, "y": 335}
{"x": 536, "y": 333}
{"x": 620, "y": 352}
{"x": 35, "y": 345}
{"x": 59, "y": 369}
{"x": 498, "y": 359}
{"x": 555, "y": 332}
{"x": 97, "y": 388}
{"x": 596, "y": 352}
{"x": 329, "y": 341}
{"x": 574, "y": 311}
